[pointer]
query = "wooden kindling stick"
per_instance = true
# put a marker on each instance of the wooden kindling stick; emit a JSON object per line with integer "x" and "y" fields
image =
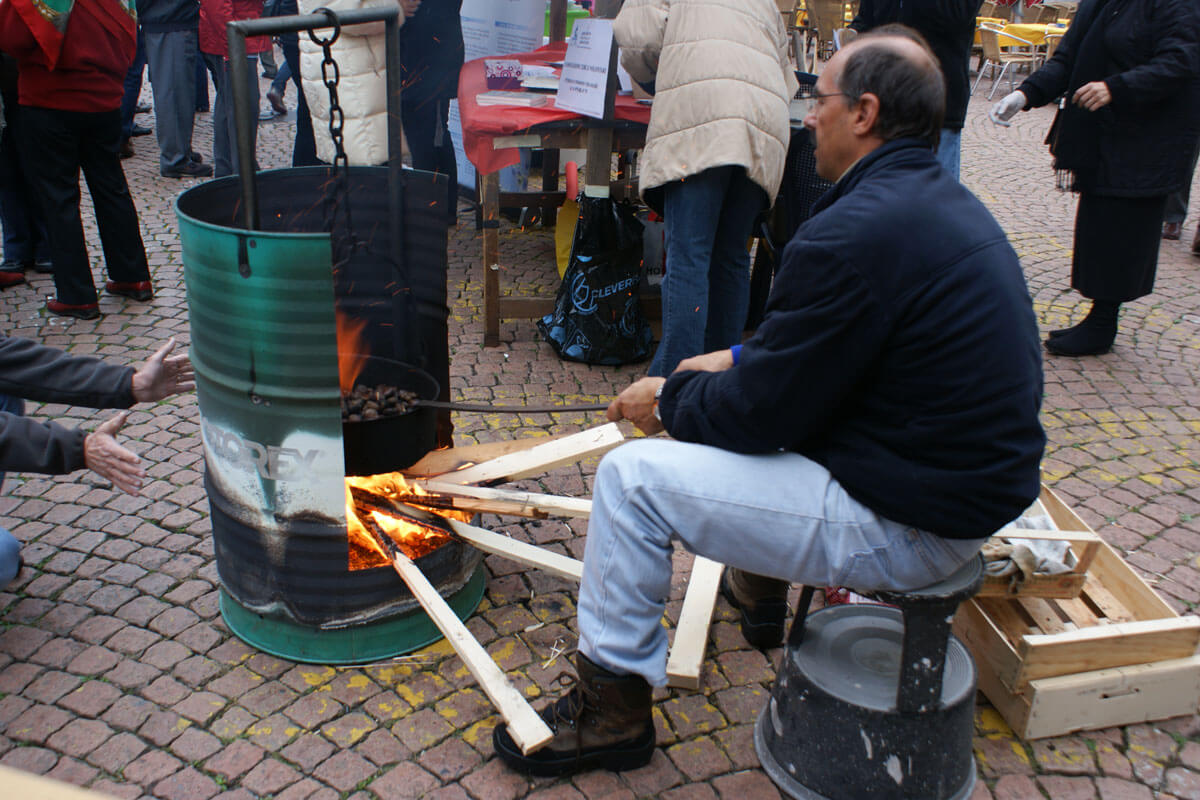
{"x": 527, "y": 729}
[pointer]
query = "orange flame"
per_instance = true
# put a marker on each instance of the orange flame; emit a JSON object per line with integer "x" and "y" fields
{"x": 413, "y": 538}
{"x": 351, "y": 350}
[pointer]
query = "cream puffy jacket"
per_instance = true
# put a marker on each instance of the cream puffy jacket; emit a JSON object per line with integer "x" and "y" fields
{"x": 722, "y": 86}
{"x": 362, "y": 87}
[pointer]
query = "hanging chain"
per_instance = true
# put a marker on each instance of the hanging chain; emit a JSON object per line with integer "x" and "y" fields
{"x": 345, "y": 244}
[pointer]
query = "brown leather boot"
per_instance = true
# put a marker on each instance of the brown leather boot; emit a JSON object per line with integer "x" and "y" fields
{"x": 604, "y": 721}
{"x": 763, "y": 603}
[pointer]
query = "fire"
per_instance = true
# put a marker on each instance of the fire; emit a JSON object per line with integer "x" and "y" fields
{"x": 351, "y": 350}
{"x": 364, "y": 522}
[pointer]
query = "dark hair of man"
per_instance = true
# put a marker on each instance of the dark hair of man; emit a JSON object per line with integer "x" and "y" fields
{"x": 911, "y": 92}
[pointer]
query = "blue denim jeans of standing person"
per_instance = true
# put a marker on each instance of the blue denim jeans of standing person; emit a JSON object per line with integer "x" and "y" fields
{"x": 949, "y": 152}
{"x": 225, "y": 154}
{"x": 304, "y": 150}
{"x": 10, "y": 548}
{"x": 172, "y": 56}
{"x": 133, "y": 85}
{"x": 706, "y": 289}
{"x": 779, "y": 515}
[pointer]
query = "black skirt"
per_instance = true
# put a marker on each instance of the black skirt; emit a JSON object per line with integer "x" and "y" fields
{"x": 1116, "y": 246}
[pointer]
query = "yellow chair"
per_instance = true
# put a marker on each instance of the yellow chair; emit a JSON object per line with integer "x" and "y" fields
{"x": 995, "y": 56}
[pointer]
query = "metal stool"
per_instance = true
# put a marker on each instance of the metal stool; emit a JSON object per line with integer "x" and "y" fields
{"x": 872, "y": 701}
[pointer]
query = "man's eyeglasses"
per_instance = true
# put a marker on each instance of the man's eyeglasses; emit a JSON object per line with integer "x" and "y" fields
{"x": 801, "y": 107}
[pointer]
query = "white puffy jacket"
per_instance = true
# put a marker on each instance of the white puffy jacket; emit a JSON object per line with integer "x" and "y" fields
{"x": 722, "y": 86}
{"x": 362, "y": 88}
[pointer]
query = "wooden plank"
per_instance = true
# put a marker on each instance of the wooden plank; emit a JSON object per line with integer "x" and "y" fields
{"x": 1013, "y": 706}
{"x": 490, "y": 198}
{"x": 1064, "y": 585}
{"x": 1105, "y": 647}
{"x": 527, "y": 729}
{"x": 1099, "y": 596}
{"x": 992, "y": 651}
{"x": 522, "y": 552}
{"x": 1007, "y": 618}
{"x": 1127, "y": 587}
{"x": 1105, "y": 698}
{"x": 1078, "y": 612}
{"x": 543, "y": 457}
{"x": 536, "y": 503}
{"x": 18, "y": 785}
{"x": 438, "y": 462}
{"x": 1047, "y": 534}
{"x": 691, "y": 634}
{"x": 1044, "y": 614}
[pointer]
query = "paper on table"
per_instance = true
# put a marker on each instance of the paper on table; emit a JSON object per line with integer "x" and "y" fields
{"x": 584, "y": 83}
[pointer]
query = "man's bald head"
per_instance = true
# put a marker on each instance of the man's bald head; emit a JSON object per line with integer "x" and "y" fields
{"x": 895, "y": 64}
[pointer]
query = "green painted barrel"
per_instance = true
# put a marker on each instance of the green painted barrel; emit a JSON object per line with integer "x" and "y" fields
{"x": 264, "y": 346}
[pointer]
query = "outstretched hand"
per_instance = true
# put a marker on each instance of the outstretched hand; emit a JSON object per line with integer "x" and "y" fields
{"x": 1007, "y": 107}
{"x": 163, "y": 375}
{"x": 106, "y": 458}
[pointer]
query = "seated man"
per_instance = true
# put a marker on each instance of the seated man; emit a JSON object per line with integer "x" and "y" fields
{"x": 881, "y": 423}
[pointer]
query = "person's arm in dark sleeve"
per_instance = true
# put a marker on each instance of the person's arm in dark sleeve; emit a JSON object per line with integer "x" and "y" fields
{"x": 1052, "y": 78}
{"x": 46, "y": 447}
{"x": 1173, "y": 64}
{"x": 823, "y": 330}
{"x": 864, "y": 20}
{"x": 35, "y": 372}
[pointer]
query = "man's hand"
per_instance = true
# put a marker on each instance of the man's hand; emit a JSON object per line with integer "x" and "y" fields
{"x": 163, "y": 375}
{"x": 1007, "y": 108}
{"x": 636, "y": 404}
{"x": 716, "y": 361}
{"x": 1092, "y": 96}
{"x": 409, "y": 7}
{"x": 106, "y": 458}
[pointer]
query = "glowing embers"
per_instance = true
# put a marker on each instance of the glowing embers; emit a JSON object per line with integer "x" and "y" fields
{"x": 388, "y": 505}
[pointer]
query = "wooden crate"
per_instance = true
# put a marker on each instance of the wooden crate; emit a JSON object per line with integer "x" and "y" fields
{"x": 1115, "y": 654}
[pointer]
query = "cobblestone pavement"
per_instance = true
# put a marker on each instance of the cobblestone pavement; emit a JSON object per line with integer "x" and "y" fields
{"x": 117, "y": 672}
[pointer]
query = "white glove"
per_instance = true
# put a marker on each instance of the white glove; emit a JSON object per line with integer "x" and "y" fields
{"x": 1007, "y": 108}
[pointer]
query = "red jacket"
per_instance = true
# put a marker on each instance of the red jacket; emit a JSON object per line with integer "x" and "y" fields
{"x": 90, "y": 72}
{"x": 214, "y": 14}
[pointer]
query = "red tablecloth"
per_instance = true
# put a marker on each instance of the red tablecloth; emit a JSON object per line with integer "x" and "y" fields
{"x": 482, "y": 123}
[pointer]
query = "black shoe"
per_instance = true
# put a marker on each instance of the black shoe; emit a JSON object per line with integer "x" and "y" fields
{"x": 125, "y": 149}
{"x": 44, "y": 266}
{"x": 604, "y": 721}
{"x": 195, "y": 157}
{"x": 763, "y": 603}
{"x": 140, "y": 130}
{"x": 189, "y": 170}
{"x": 143, "y": 108}
{"x": 1091, "y": 341}
{"x": 270, "y": 74}
{"x": 9, "y": 265}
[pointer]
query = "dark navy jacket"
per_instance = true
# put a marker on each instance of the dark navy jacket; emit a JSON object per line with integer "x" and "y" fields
{"x": 899, "y": 350}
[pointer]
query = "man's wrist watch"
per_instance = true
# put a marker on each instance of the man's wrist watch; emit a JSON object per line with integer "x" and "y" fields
{"x": 657, "y": 397}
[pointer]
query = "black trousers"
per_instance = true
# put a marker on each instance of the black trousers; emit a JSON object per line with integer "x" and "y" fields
{"x": 56, "y": 145}
{"x": 426, "y": 128}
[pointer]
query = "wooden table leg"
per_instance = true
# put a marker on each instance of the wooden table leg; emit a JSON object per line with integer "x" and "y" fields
{"x": 597, "y": 173}
{"x": 490, "y": 191}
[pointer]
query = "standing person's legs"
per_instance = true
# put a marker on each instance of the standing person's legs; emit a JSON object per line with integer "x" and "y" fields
{"x": 729, "y": 273}
{"x": 49, "y": 142}
{"x": 133, "y": 85}
{"x": 780, "y": 515}
{"x": 692, "y": 209}
{"x": 1177, "y": 202}
{"x": 202, "y": 70}
{"x": 949, "y": 152}
{"x": 304, "y": 150}
{"x": 222, "y": 112}
{"x": 116, "y": 215}
{"x": 426, "y": 129}
{"x": 172, "y": 57}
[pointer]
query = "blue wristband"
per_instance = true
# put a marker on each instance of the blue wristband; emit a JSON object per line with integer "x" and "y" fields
{"x": 737, "y": 353}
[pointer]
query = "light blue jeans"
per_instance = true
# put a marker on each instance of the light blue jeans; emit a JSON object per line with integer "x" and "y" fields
{"x": 780, "y": 515}
{"x": 949, "y": 152}
{"x": 706, "y": 289}
{"x": 10, "y": 548}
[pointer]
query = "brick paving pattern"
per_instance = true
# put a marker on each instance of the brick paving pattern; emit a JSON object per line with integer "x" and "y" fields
{"x": 117, "y": 672}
